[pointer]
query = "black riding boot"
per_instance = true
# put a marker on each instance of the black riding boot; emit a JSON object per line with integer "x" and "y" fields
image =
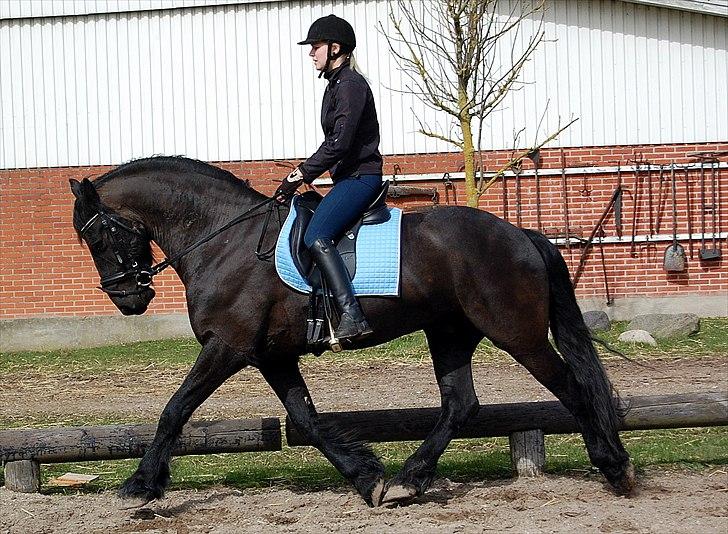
{"x": 327, "y": 258}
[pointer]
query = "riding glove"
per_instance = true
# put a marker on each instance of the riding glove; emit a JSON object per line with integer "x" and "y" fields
{"x": 289, "y": 185}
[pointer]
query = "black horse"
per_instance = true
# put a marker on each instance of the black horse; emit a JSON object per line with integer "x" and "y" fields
{"x": 465, "y": 275}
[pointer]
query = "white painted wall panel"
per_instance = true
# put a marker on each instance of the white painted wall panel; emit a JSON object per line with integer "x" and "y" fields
{"x": 227, "y": 82}
{"x": 49, "y": 8}
{"x": 58, "y": 8}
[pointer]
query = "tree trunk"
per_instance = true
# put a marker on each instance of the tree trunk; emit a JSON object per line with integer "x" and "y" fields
{"x": 471, "y": 191}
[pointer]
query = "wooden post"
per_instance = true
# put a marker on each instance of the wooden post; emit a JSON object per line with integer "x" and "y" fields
{"x": 528, "y": 453}
{"x": 23, "y": 476}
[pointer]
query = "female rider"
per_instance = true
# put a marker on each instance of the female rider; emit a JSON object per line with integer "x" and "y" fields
{"x": 350, "y": 152}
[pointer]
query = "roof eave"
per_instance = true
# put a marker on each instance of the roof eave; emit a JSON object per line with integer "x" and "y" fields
{"x": 716, "y": 7}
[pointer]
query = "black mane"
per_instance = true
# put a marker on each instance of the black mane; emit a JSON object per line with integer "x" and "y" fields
{"x": 177, "y": 164}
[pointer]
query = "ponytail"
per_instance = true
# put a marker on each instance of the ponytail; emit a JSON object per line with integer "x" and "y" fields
{"x": 353, "y": 65}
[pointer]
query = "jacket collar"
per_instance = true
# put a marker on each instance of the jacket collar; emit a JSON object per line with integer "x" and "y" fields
{"x": 333, "y": 75}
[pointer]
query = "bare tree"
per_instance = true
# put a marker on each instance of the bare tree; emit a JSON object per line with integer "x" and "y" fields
{"x": 451, "y": 51}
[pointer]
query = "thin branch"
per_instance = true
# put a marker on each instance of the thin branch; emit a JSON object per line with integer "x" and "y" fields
{"x": 429, "y": 133}
{"x": 515, "y": 161}
{"x": 453, "y": 52}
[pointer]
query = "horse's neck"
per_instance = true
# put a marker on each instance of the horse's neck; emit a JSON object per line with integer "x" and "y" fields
{"x": 177, "y": 216}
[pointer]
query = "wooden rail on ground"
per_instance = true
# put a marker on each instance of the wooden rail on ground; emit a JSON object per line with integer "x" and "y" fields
{"x": 22, "y": 451}
{"x": 525, "y": 423}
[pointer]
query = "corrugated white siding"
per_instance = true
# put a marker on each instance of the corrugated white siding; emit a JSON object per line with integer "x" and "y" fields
{"x": 16, "y": 9}
{"x": 228, "y": 82}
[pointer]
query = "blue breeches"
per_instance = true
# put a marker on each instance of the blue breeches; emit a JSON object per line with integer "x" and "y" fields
{"x": 342, "y": 206}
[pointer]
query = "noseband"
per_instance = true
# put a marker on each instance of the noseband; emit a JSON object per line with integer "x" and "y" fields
{"x": 130, "y": 268}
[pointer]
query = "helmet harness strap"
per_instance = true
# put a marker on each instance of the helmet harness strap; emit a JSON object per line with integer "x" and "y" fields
{"x": 330, "y": 56}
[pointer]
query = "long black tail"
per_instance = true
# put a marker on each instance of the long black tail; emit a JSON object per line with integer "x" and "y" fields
{"x": 573, "y": 340}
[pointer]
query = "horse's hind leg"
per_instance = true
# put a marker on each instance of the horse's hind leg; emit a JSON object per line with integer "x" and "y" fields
{"x": 215, "y": 364}
{"x": 600, "y": 436}
{"x": 354, "y": 460}
{"x": 452, "y": 350}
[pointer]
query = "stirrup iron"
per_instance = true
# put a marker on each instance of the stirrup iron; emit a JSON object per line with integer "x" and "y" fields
{"x": 334, "y": 342}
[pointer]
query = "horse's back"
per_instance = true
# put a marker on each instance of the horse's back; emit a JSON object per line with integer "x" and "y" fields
{"x": 475, "y": 234}
{"x": 463, "y": 261}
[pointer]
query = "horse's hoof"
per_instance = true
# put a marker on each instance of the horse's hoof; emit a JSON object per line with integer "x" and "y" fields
{"x": 399, "y": 493}
{"x": 134, "y": 503}
{"x": 377, "y": 493}
{"x": 136, "y": 490}
{"x": 627, "y": 485}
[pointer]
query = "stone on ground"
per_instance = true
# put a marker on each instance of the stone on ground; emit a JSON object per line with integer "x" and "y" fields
{"x": 596, "y": 320}
{"x": 664, "y": 325}
{"x": 641, "y": 337}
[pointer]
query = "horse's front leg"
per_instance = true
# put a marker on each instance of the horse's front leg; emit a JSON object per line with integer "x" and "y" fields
{"x": 215, "y": 364}
{"x": 354, "y": 460}
{"x": 452, "y": 350}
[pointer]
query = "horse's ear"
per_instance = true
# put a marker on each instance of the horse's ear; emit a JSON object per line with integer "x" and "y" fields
{"x": 75, "y": 187}
{"x": 84, "y": 191}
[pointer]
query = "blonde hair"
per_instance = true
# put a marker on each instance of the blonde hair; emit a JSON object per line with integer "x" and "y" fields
{"x": 355, "y": 66}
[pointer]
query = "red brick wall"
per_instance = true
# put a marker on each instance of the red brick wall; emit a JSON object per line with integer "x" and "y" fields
{"x": 44, "y": 270}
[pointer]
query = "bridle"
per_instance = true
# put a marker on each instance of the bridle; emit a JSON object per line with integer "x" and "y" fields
{"x": 130, "y": 268}
{"x": 143, "y": 274}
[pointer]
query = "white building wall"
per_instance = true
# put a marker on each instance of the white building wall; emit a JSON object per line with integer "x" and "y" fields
{"x": 115, "y": 80}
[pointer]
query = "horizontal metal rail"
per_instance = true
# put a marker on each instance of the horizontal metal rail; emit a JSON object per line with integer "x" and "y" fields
{"x": 569, "y": 171}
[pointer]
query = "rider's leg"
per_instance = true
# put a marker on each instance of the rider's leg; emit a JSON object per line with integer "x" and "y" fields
{"x": 338, "y": 211}
{"x": 352, "y": 323}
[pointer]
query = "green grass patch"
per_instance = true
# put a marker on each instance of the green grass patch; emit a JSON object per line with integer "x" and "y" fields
{"x": 712, "y": 340}
{"x": 168, "y": 352}
{"x": 409, "y": 349}
{"x": 696, "y": 448}
{"x": 304, "y": 468}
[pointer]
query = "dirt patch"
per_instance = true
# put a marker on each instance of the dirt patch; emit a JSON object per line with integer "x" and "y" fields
{"x": 669, "y": 501}
{"x": 349, "y": 385}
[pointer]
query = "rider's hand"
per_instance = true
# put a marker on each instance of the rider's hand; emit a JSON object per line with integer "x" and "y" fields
{"x": 289, "y": 185}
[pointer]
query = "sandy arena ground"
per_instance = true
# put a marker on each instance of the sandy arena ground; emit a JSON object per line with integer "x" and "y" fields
{"x": 668, "y": 501}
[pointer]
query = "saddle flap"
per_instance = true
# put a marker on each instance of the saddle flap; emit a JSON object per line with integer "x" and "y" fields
{"x": 305, "y": 205}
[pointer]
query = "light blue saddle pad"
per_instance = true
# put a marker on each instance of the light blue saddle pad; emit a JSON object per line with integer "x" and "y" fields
{"x": 377, "y": 257}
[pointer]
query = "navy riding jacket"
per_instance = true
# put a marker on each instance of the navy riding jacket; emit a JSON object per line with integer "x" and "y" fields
{"x": 351, "y": 129}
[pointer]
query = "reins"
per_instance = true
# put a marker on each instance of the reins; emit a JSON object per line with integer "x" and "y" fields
{"x": 162, "y": 265}
{"x": 271, "y": 251}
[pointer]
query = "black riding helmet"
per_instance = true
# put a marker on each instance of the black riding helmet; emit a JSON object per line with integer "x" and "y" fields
{"x": 331, "y": 29}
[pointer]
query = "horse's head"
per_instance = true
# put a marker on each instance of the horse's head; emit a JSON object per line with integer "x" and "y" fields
{"x": 119, "y": 247}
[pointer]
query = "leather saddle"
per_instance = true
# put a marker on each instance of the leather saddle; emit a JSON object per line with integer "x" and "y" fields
{"x": 306, "y": 204}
